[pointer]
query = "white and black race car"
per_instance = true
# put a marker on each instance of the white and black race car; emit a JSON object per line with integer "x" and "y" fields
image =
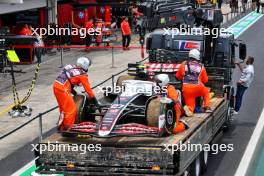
{"x": 138, "y": 110}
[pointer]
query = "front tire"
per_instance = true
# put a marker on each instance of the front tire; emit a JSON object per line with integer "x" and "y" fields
{"x": 83, "y": 113}
{"x": 154, "y": 109}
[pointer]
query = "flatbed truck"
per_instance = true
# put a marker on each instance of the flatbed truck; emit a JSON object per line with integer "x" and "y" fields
{"x": 138, "y": 155}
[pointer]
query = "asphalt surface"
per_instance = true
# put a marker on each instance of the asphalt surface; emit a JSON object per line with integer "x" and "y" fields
{"x": 224, "y": 163}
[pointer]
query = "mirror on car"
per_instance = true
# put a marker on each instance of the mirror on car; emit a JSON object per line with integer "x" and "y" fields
{"x": 148, "y": 44}
{"x": 242, "y": 51}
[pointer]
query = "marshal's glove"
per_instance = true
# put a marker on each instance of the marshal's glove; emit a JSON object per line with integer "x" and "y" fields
{"x": 95, "y": 102}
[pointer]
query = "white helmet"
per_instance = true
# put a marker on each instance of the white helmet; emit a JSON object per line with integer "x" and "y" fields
{"x": 194, "y": 53}
{"x": 162, "y": 79}
{"x": 83, "y": 62}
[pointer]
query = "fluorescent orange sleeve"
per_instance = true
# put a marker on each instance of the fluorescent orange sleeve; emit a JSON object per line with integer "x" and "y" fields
{"x": 86, "y": 85}
{"x": 203, "y": 76}
{"x": 172, "y": 93}
{"x": 181, "y": 72}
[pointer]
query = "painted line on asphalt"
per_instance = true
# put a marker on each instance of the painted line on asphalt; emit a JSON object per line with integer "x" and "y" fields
{"x": 248, "y": 154}
{"x": 28, "y": 166}
{"x": 25, "y": 169}
{"x": 252, "y": 144}
{"x": 243, "y": 24}
{"x": 240, "y": 20}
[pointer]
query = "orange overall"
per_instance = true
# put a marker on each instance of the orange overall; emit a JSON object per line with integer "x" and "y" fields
{"x": 193, "y": 83}
{"x": 70, "y": 76}
{"x": 174, "y": 95}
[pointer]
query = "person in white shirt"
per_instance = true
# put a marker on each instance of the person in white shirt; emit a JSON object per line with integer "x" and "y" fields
{"x": 244, "y": 81}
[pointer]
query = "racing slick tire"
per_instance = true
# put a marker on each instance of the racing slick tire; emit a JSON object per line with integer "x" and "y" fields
{"x": 123, "y": 78}
{"x": 83, "y": 112}
{"x": 154, "y": 109}
{"x": 153, "y": 112}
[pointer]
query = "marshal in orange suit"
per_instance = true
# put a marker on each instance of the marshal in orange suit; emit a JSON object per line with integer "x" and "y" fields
{"x": 70, "y": 76}
{"x": 173, "y": 94}
{"x": 194, "y": 76}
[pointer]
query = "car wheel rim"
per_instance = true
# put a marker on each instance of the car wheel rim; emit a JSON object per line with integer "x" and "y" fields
{"x": 170, "y": 117}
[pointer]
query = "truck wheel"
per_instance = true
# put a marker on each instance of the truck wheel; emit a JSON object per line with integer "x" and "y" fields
{"x": 195, "y": 169}
{"x": 153, "y": 112}
{"x": 228, "y": 121}
{"x": 204, "y": 161}
{"x": 123, "y": 78}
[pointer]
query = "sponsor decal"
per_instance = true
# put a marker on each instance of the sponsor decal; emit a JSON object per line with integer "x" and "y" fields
{"x": 185, "y": 45}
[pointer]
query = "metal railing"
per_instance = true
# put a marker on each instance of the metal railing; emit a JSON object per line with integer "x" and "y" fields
{"x": 40, "y": 115}
{"x": 236, "y": 13}
{"x": 229, "y": 17}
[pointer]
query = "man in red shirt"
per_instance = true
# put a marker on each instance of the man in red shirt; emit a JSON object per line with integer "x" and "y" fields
{"x": 25, "y": 30}
{"x": 99, "y": 27}
{"x": 88, "y": 26}
{"x": 126, "y": 32}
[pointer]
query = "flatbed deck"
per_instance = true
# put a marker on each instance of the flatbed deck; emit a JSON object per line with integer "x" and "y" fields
{"x": 193, "y": 122}
{"x": 134, "y": 155}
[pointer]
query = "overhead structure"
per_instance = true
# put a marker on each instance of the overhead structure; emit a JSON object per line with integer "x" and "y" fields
{"x": 11, "y": 1}
{"x": 10, "y": 6}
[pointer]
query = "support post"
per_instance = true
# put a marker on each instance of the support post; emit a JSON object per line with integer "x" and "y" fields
{"x": 40, "y": 127}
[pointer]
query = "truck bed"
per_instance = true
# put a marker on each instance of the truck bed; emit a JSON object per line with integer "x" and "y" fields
{"x": 133, "y": 155}
{"x": 193, "y": 122}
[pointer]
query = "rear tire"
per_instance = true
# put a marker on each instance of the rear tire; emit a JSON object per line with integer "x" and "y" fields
{"x": 123, "y": 78}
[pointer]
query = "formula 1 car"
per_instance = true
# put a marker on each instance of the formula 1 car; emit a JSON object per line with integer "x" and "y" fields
{"x": 135, "y": 110}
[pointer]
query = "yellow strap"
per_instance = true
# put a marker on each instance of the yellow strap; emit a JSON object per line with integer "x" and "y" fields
{"x": 7, "y": 109}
